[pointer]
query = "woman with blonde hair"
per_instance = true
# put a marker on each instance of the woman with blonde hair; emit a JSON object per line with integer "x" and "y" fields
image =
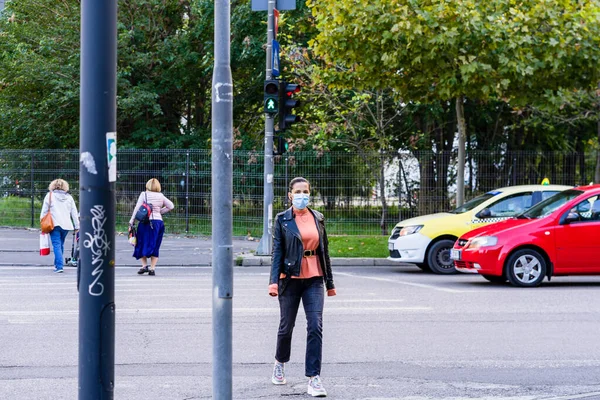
{"x": 65, "y": 218}
{"x": 150, "y": 233}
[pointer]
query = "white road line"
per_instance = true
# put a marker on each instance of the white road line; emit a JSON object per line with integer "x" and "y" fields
{"x": 422, "y": 285}
{"x": 273, "y": 310}
{"x": 365, "y": 301}
{"x": 574, "y": 396}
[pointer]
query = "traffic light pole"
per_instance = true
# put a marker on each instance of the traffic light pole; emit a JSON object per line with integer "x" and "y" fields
{"x": 265, "y": 244}
{"x": 97, "y": 177}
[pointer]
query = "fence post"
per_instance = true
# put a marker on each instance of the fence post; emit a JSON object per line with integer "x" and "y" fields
{"x": 187, "y": 192}
{"x": 514, "y": 171}
{"x": 32, "y": 192}
{"x": 399, "y": 186}
{"x": 285, "y": 183}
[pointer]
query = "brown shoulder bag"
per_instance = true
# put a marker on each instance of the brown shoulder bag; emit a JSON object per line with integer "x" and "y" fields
{"x": 46, "y": 222}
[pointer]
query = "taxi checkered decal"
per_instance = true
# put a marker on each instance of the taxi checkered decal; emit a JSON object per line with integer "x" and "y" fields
{"x": 487, "y": 220}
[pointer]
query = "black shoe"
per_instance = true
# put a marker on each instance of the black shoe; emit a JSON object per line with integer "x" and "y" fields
{"x": 151, "y": 272}
{"x": 143, "y": 270}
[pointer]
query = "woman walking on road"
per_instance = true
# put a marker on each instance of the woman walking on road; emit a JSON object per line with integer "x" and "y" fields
{"x": 300, "y": 268}
{"x": 64, "y": 215}
{"x": 150, "y": 233}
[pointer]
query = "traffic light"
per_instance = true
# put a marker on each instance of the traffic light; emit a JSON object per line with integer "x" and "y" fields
{"x": 282, "y": 145}
{"x": 287, "y": 104}
{"x": 271, "y": 96}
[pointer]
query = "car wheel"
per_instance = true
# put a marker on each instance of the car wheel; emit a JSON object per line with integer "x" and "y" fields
{"x": 526, "y": 268}
{"x": 423, "y": 267}
{"x": 438, "y": 257}
{"x": 495, "y": 279}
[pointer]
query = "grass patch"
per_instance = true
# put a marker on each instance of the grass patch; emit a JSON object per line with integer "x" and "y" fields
{"x": 358, "y": 246}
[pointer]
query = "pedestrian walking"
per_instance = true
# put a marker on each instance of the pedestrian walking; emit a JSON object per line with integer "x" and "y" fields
{"x": 63, "y": 211}
{"x": 300, "y": 269}
{"x": 150, "y": 233}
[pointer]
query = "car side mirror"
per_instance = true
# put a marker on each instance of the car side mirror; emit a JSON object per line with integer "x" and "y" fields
{"x": 485, "y": 213}
{"x": 571, "y": 217}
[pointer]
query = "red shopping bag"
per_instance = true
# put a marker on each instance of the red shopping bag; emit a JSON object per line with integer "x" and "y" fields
{"x": 44, "y": 244}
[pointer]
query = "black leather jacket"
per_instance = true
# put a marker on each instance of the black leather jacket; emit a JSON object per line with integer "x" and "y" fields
{"x": 288, "y": 249}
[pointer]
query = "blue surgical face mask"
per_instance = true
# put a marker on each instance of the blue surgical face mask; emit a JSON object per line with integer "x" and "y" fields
{"x": 300, "y": 200}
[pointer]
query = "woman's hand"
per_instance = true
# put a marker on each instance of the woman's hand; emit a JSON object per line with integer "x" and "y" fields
{"x": 273, "y": 289}
{"x": 331, "y": 292}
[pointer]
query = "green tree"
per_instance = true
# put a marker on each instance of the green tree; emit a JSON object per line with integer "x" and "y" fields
{"x": 440, "y": 50}
{"x": 165, "y": 61}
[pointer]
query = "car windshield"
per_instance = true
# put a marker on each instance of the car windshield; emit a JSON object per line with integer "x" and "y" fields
{"x": 471, "y": 204}
{"x": 547, "y": 207}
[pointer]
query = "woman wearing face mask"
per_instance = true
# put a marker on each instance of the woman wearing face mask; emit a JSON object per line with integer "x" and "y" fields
{"x": 300, "y": 269}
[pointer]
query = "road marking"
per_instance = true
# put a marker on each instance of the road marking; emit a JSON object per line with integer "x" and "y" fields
{"x": 254, "y": 310}
{"x": 575, "y": 396}
{"x": 422, "y": 285}
{"x": 365, "y": 301}
{"x": 538, "y": 397}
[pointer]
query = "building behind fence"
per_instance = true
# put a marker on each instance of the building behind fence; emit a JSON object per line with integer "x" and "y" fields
{"x": 359, "y": 193}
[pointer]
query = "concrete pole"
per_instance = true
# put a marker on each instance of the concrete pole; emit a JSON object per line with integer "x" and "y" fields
{"x": 222, "y": 205}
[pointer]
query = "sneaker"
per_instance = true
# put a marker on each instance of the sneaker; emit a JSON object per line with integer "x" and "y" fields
{"x": 278, "y": 377}
{"x": 58, "y": 270}
{"x": 143, "y": 270}
{"x": 315, "y": 387}
{"x": 151, "y": 272}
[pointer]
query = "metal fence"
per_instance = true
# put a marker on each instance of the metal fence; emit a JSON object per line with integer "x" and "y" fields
{"x": 360, "y": 193}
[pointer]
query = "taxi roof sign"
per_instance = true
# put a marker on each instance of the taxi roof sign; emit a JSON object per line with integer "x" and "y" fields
{"x": 545, "y": 181}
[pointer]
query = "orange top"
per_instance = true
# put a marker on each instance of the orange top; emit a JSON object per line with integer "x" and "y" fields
{"x": 307, "y": 226}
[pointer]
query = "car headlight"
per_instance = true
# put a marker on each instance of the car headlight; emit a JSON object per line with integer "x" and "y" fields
{"x": 409, "y": 230}
{"x": 483, "y": 241}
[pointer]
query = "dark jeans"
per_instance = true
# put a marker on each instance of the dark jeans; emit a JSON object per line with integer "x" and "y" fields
{"x": 311, "y": 292}
{"x": 58, "y": 236}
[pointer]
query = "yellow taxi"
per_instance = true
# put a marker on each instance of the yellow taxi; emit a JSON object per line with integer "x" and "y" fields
{"x": 426, "y": 240}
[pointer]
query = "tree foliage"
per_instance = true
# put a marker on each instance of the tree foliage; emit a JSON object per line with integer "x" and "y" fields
{"x": 439, "y": 50}
{"x": 165, "y": 61}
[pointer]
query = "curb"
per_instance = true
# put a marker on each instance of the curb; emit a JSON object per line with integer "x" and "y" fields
{"x": 260, "y": 261}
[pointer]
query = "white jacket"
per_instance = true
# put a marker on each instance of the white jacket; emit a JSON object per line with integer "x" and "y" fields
{"x": 63, "y": 210}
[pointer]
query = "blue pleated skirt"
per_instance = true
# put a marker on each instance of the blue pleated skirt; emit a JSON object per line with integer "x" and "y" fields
{"x": 149, "y": 239}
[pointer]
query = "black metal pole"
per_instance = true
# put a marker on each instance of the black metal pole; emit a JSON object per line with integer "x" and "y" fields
{"x": 97, "y": 176}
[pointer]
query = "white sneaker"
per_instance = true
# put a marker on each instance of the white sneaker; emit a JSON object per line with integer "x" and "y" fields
{"x": 278, "y": 377}
{"x": 315, "y": 387}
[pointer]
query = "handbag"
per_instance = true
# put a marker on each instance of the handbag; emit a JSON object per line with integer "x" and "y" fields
{"x": 46, "y": 222}
{"x": 44, "y": 244}
{"x": 132, "y": 239}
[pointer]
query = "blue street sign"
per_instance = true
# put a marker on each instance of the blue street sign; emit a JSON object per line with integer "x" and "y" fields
{"x": 275, "y": 61}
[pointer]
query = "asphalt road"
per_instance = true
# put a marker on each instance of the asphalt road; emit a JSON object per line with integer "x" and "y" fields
{"x": 391, "y": 333}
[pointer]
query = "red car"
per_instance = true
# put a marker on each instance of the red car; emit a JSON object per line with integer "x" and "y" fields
{"x": 558, "y": 236}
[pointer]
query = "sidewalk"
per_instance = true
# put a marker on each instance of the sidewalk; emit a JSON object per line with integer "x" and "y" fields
{"x": 20, "y": 247}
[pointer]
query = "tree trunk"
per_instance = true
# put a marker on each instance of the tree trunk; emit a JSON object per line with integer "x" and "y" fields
{"x": 462, "y": 140}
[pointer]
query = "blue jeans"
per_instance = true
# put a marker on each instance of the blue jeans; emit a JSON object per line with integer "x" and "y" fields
{"x": 58, "y": 236}
{"x": 311, "y": 292}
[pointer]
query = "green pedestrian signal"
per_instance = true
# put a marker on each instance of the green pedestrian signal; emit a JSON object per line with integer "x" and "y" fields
{"x": 271, "y": 105}
{"x": 271, "y": 102}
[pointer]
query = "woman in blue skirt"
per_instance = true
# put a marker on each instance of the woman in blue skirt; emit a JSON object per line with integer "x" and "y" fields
{"x": 150, "y": 234}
